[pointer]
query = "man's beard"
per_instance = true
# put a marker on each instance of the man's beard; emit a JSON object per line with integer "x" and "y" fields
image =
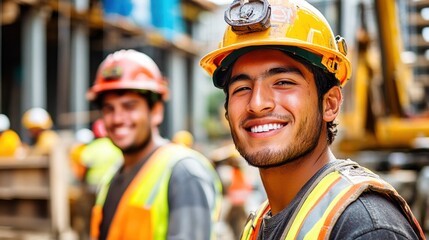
{"x": 304, "y": 143}
{"x": 135, "y": 148}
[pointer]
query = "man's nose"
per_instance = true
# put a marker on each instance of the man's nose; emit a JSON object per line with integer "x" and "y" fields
{"x": 261, "y": 100}
{"x": 119, "y": 115}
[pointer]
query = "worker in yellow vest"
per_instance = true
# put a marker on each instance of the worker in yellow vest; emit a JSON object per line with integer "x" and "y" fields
{"x": 162, "y": 190}
{"x": 282, "y": 70}
{"x": 99, "y": 156}
{"x": 82, "y": 138}
{"x": 10, "y": 142}
{"x": 38, "y": 122}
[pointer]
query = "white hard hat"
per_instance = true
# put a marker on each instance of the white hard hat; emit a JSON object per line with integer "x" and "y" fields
{"x": 4, "y": 123}
{"x": 37, "y": 118}
{"x": 84, "y": 135}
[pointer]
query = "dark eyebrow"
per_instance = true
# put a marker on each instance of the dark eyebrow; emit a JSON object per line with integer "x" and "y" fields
{"x": 278, "y": 70}
{"x": 239, "y": 77}
{"x": 269, "y": 73}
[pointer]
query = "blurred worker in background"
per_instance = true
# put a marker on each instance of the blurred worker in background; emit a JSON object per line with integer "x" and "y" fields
{"x": 82, "y": 137}
{"x": 99, "y": 156}
{"x": 81, "y": 197}
{"x": 237, "y": 188}
{"x": 10, "y": 142}
{"x": 183, "y": 137}
{"x": 163, "y": 190}
{"x": 282, "y": 70}
{"x": 38, "y": 123}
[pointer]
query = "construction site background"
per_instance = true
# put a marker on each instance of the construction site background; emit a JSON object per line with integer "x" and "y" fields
{"x": 50, "y": 51}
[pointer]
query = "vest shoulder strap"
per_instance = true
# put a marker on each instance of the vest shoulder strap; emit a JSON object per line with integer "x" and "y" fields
{"x": 328, "y": 199}
{"x": 253, "y": 222}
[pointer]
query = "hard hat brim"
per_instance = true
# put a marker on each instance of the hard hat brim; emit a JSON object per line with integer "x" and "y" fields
{"x": 213, "y": 62}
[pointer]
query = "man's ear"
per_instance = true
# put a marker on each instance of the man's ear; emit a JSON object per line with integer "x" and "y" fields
{"x": 157, "y": 113}
{"x": 332, "y": 103}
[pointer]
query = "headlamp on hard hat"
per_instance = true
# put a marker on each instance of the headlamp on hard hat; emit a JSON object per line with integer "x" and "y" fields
{"x": 111, "y": 73}
{"x": 246, "y": 16}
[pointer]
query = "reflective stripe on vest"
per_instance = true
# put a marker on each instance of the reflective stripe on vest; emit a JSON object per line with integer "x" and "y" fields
{"x": 324, "y": 203}
{"x": 146, "y": 198}
{"x": 251, "y": 228}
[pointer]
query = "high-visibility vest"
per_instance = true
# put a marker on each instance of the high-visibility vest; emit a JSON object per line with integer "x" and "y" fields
{"x": 99, "y": 157}
{"x": 325, "y": 201}
{"x": 142, "y": 212}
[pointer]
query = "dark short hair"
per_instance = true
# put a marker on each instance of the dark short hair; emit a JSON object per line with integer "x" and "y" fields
{"x": 150, "y": 96}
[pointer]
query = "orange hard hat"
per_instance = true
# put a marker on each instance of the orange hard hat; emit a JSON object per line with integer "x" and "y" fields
{"x": 292, "y": 26}
{"x": 128, "y": 69}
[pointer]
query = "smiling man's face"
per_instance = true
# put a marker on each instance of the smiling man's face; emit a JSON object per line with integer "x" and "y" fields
{"x": 128, "y": 120}
{"x": 273, "y": 108}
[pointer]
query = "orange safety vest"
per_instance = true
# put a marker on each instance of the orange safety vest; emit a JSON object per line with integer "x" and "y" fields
{"x": 326, "y": 200}
{"x": 142, "y": 212}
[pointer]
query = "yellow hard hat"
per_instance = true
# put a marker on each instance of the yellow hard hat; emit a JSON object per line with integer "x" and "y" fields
{"x": 37, "y": 118}
{"x": 183, "y": 137}
{"x": 10, "y": 142}
{"x": 289, "y": 25}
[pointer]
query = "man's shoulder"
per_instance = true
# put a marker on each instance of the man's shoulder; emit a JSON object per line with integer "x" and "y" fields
{"x": 190, "y": 166}
{"x": 372, "y": 215}
{"x": 187, "y": 161}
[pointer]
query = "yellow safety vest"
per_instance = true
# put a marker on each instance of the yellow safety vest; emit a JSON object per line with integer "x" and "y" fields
{"x": 142, "y": 212}
{"x": 326, "y": 200}
{"x": 99, "y": 157}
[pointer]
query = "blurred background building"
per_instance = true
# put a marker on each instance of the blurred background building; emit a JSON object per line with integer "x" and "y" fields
{"x": 50, "y": 51}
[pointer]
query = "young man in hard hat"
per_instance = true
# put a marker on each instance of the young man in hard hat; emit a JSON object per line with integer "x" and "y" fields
{"x": 162, "y": 190}
{"x": 282, "y": 70}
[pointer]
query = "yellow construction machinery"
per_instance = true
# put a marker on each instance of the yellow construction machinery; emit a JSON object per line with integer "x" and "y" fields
{"x": 384, "y": 122}
{"x": 386, "y": 106}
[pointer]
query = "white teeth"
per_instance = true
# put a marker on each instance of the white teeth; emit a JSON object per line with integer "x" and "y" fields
{"x": 121, "y": 131}
{"x": 265, "y": 127}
